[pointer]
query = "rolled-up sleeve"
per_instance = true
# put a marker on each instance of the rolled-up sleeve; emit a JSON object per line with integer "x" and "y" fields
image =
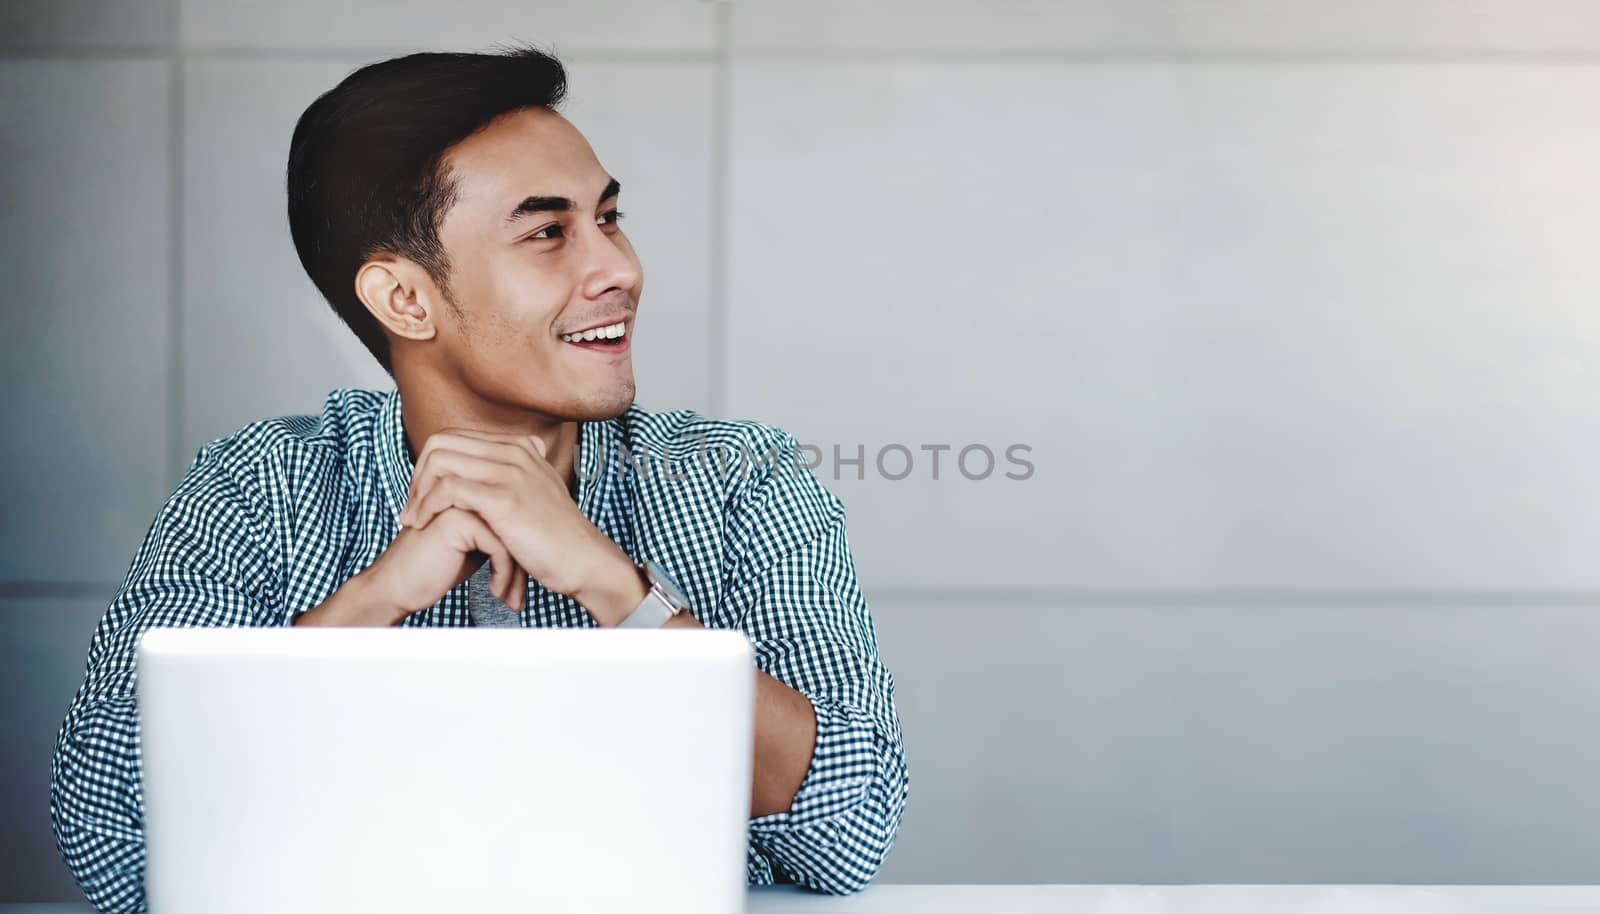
{"x": 202, "y": 563}
{"x": 808, "y": 622}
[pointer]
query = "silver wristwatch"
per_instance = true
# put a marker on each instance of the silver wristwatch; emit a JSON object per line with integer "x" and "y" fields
{"x": 664, "y": 600}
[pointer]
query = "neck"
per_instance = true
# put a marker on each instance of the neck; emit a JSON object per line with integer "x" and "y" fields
{"x": 427, "y": 410}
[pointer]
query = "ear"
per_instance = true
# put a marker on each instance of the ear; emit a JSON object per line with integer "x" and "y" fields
{"x": 401, "y": 295}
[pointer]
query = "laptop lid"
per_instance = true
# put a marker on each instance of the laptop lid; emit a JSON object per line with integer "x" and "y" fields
{"x": 428, "y": 770}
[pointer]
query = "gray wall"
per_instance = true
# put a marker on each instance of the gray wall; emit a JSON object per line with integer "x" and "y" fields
{"x": 1295, "y": 304}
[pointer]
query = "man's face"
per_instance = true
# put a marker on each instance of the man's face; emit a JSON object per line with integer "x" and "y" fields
{"x": 535, "y": 255}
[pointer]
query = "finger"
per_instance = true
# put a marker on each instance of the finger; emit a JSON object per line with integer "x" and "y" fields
{"x": 456, "y": 492}
{"x": 503, "y": 576}
{"x": 519, "y": 590}
{"x": 459, "y": 442}
{"x": 532, "y": 446}
{"x": 443, "y": 459}
{"x": 499, "y": 578}
{"x": 445, "y": 465}
{"x": 508, "y": 594}
{"x": 473, "y": 441}
{"x": 469, "y": 533}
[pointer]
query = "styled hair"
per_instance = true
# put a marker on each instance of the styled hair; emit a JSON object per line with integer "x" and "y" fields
{"x": 366, "y": 171}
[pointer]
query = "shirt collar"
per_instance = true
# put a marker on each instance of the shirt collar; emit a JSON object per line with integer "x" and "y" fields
{"x": 593, "y": 464}
{"x": 394, "y": 461}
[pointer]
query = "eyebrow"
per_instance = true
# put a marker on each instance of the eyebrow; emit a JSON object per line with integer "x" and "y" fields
{"x": 533, "y": 205}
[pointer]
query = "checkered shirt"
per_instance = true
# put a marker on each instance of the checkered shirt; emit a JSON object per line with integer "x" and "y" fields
{"x": 274, "y": 518}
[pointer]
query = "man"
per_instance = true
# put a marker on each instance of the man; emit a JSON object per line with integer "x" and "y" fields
{"x": 468, "y": 235}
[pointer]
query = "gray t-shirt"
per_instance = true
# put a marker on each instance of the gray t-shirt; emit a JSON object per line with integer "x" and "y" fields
{"x": 483, "y": 607}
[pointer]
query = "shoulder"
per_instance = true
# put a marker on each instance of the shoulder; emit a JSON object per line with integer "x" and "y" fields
{"x": 763, "y": 471}
{"x": 684, "y": 432}
{"x": 348, "y": 416}
{"x": 283, "y": 453}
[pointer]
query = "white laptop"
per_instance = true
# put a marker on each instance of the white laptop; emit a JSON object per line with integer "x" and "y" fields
{"x": 392, "y": 771}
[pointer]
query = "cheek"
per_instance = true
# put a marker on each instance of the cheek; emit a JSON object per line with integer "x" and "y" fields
{"x": 475, "y": 287}
{"x": 527, "y": 297}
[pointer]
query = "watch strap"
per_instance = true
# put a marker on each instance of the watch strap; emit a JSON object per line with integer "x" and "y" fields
{"x": 655, "y": 610}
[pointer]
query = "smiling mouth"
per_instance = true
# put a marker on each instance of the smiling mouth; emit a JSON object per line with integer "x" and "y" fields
{"x": 611, "y": 336}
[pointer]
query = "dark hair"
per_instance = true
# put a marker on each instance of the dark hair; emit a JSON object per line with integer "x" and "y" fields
{"x": 365, "y": 170}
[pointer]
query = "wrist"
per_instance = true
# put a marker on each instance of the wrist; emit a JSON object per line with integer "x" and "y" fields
{"x": 360, "y": 601}
{"x": 613, "y": 590}
{"x": 372, "y": 598}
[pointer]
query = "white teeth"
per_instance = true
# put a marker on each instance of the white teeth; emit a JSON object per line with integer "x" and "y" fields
{"x": 611, "y": 332}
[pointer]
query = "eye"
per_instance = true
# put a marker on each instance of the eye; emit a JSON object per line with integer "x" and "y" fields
{"x": 611, "y": 218}
{"x": 545, "y": 233}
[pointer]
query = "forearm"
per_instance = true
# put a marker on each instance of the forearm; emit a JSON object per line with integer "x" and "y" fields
{"x": 847, "y": 811}
{"x": 786, "y": 734}
{"x": 357, "y": 603}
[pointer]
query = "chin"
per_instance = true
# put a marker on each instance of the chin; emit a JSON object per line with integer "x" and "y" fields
{"x": 599, "y": 405}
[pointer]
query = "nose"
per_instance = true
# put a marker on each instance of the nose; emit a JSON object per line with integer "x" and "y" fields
{"x": 609, "y": 263}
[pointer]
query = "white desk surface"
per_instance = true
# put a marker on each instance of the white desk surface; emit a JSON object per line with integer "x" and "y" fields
{"x": 1186, "y": 899}
{"x": 1133, "y": 899}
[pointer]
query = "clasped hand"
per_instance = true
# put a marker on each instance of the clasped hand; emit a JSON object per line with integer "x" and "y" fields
{"x": 479, "y": 493}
